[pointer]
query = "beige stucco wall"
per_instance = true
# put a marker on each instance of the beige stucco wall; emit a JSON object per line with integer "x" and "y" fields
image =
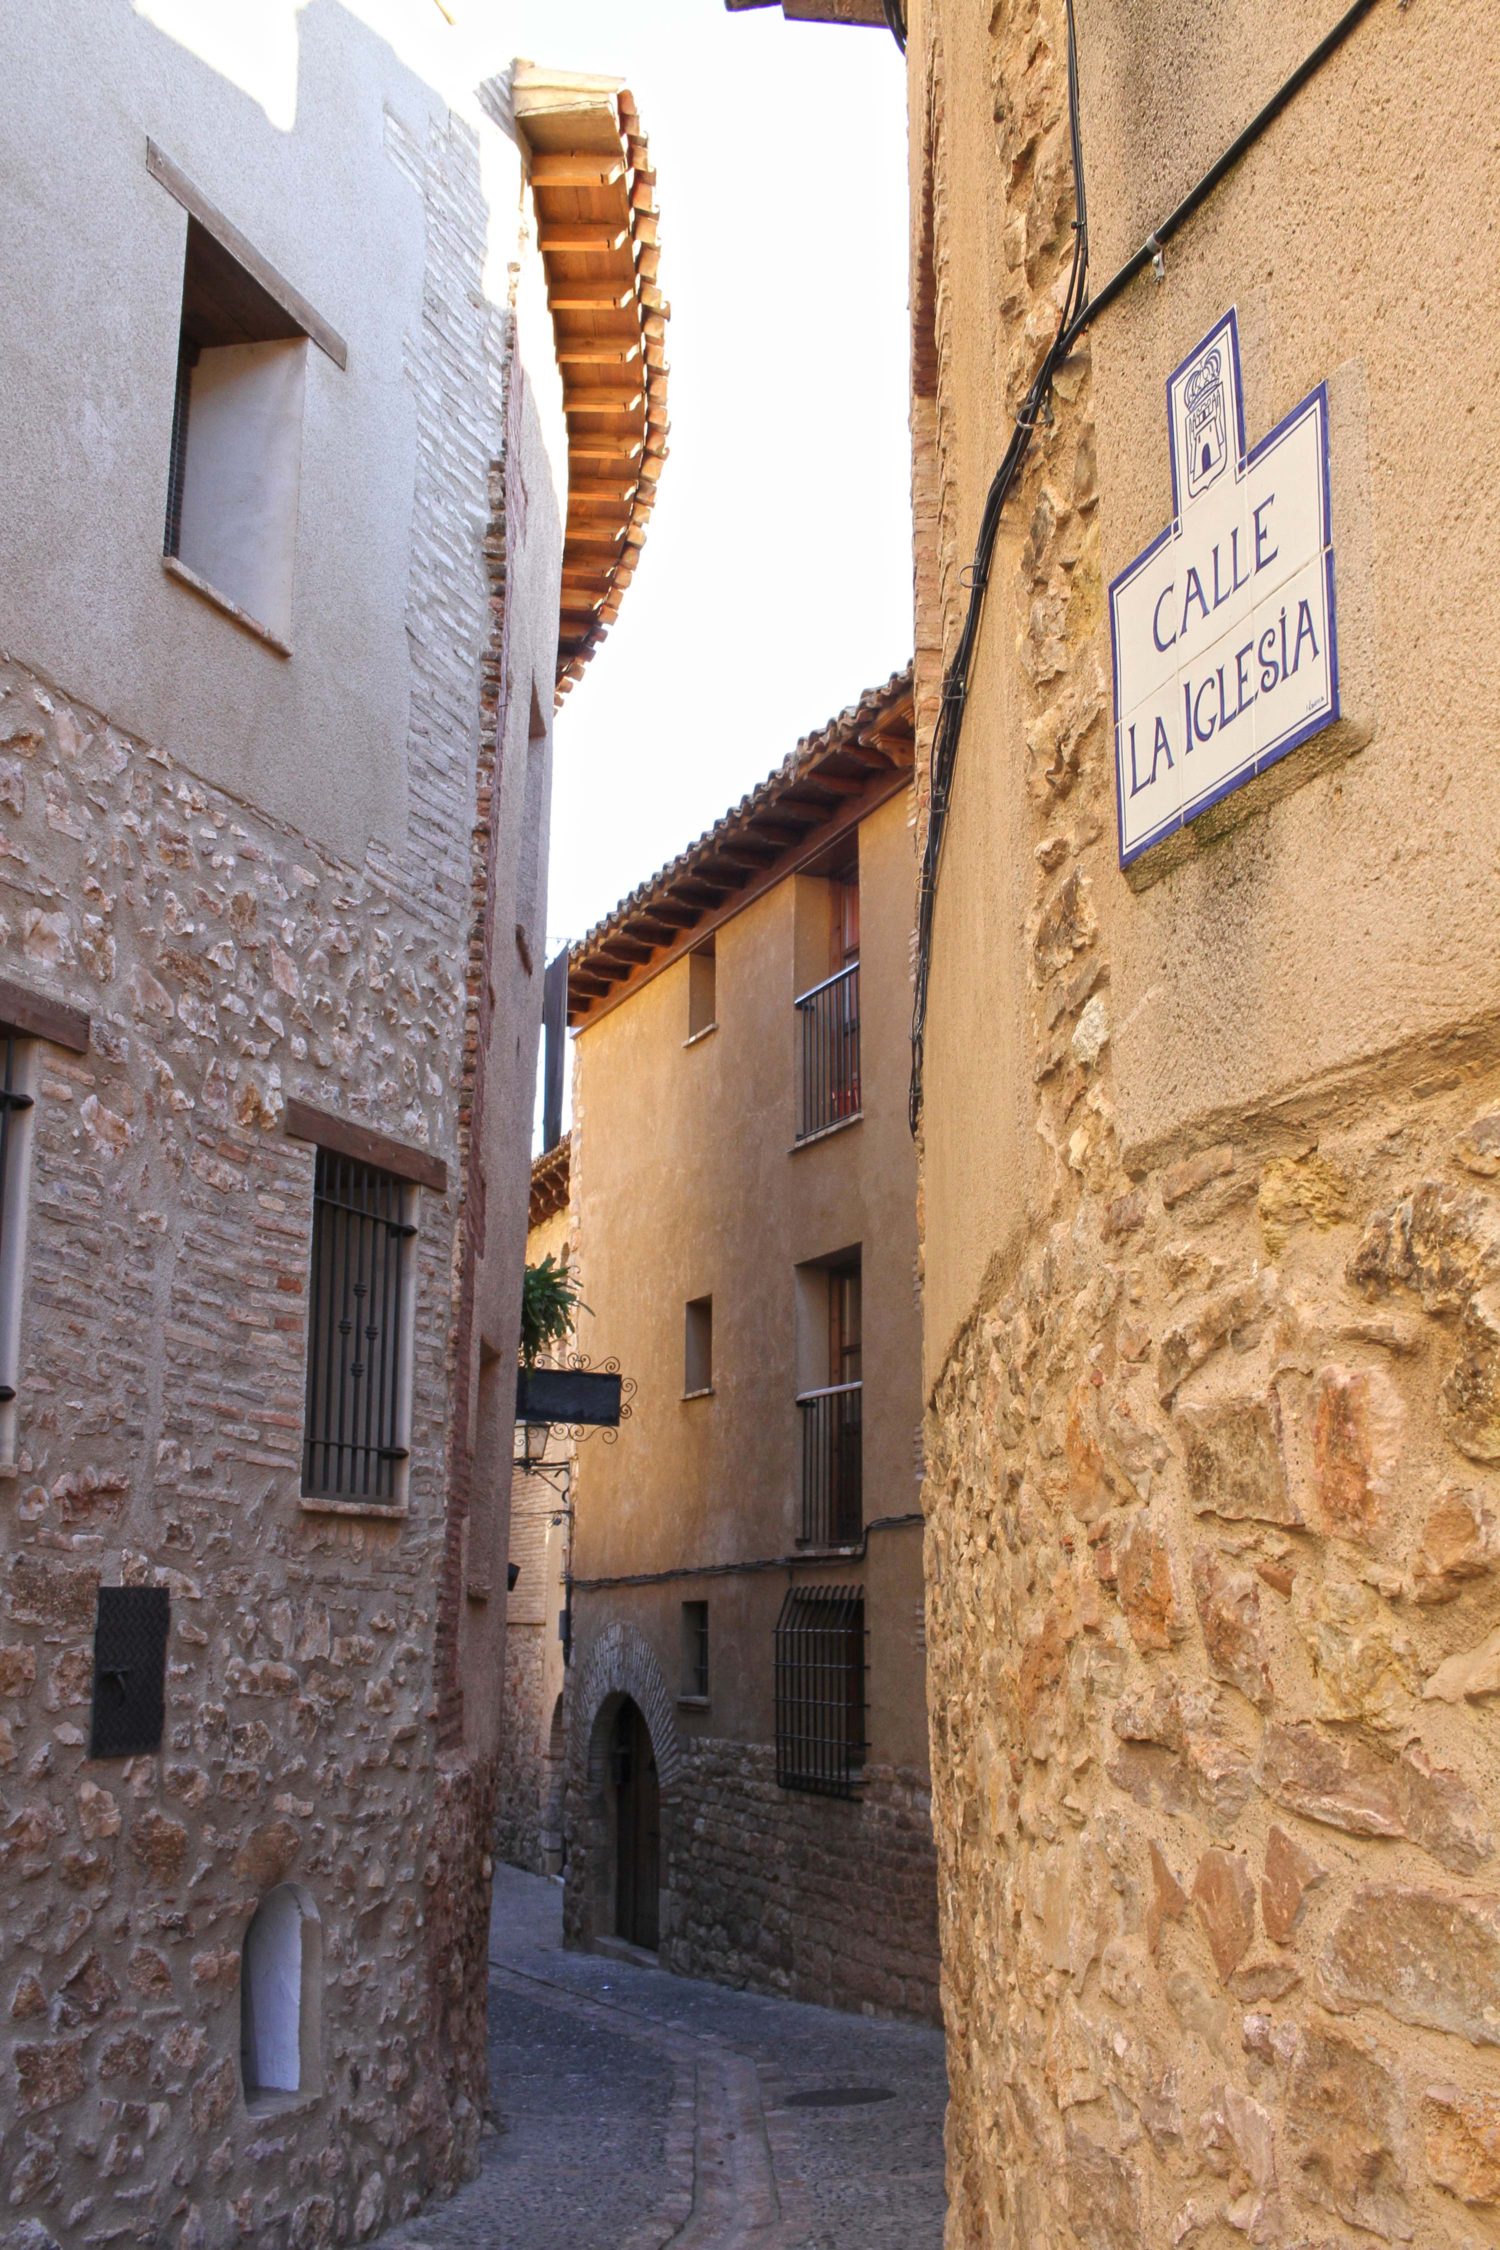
{"x": 293, "y": 121}
{"x": 1209, "y": 1343}
{"x": 687, "y": 1184}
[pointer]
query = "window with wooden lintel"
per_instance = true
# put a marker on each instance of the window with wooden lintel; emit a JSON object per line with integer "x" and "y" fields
{"x": 235, "y": 458}
{"x": 820, "y": 1690}
{"x": 354, "y": 1438}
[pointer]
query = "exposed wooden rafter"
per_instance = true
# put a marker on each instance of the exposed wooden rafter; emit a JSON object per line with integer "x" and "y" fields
{"x": 808, "y": 808}
{"x": 594, "y": 193}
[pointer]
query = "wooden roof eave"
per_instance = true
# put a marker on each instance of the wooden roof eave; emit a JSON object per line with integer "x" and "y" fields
{"x": 808, "y": 806}
{"x": 593, "y": 189}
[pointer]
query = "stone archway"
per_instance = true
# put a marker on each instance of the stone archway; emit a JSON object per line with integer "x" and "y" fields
{"x": 621, "y": 1666}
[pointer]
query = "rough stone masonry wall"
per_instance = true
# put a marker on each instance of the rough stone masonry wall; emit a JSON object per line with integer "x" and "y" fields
{"x": 161, "y": 1419}
{"x": 523, "y": 1780}
{"x": 824, "y": 1900}
{"x": 1214, "y": 1571}
{"x": 228, "y": 962}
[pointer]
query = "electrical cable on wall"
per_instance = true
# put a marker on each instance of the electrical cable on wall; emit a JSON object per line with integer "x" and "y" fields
{"x": 1078, "y": 311}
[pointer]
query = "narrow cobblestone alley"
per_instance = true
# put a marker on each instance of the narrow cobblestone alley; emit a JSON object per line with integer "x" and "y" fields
{"x": 637, "y": 2110}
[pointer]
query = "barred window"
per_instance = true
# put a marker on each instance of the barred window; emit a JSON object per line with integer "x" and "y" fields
{"x": 695, "y": 1651}
{"x": 355, "y": 1422}
{"x": 15, "y": 1101}
{"x": 820, "y": 1689}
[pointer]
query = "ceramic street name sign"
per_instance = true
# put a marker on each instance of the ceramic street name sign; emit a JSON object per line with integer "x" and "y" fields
{"x": 1225, "y": 655}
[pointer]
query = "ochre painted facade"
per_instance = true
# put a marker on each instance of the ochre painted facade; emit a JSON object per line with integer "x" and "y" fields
{"x": 689, "y": 1184}
{"x": 1209, "y": 1168}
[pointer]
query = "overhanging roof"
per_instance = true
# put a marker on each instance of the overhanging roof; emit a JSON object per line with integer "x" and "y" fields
{"x": 829, "y": 783}
{"x": 819, "y": 11}
{"x": 549, "y": 1182}
{"x": 594, "y": 193}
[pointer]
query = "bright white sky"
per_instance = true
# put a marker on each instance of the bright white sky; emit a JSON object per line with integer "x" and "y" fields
{"x": 775, "y": 585}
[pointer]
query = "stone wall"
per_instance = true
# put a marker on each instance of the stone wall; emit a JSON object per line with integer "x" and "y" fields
{"x": 819, "y": 1898}
{"x": 1214, "y": 1526}
{"x": 229, "y": 962}
{"x": 521, "y": 1807}
{"x": 160, "y": 1419}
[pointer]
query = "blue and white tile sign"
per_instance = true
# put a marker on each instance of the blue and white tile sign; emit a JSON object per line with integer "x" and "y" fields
{"x": 1225, "y": 655}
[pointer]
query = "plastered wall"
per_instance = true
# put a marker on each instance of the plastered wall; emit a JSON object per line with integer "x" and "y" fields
{"x": 1207, "y": 1184}
{"x": 687, "y": 1184}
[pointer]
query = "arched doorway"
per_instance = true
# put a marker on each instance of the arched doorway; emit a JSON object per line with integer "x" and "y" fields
{"x": 636, "y": 1789}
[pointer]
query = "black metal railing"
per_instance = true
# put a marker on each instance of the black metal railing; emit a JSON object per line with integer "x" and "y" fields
{"x": 833, "y": 1511}
{"x": 354, "y": 1332}
{"x": 820, "y": 1690}
{"x": 12, "y": 1103}
{"x": 829, "y": 1017}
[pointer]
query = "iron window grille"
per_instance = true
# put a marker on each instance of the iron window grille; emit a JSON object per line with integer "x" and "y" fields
{"x": 820, "y": 1690}
{"x": 13, "y": 1104}
{"x": 695, "y": 1650}
{"x": 355, "y": 1409}
{"x": 829, "y": 1019}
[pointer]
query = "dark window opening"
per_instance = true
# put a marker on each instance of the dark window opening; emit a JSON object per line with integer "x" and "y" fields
{"x": 698, "y": 1346}
{"x": 13, "y": 1105}
{"x": 695, "y": 1650}
{"x": 832, "y": 1412}
{"x": 130, "y": 1671}
{"x": 703, "y": 998}
{"x": 235, "y": 458}
{"x": 830, "y": 1091}
{"x": 355, "y": 1408}
{"x": 820, "y": 1690}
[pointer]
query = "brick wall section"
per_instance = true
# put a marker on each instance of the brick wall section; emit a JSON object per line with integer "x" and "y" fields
{"x": 228, "y": 962}
{"x": 823, "y": 1899}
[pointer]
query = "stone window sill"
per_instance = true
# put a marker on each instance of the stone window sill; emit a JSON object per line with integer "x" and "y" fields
{"x": 281, "y": 2105}
{"x": 383, "y": 1511}
{"x": 826, "y": 1132}
{"x": 694, "y": 1038}
{"x": 692, "y": 1703}
{"x": 706, "y": 1391}
{"x": 179, "y": 570}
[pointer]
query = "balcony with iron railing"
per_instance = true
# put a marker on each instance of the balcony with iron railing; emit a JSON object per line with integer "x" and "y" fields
{"x": 832, "y": 1465}
{"x": 828, "y": 1017}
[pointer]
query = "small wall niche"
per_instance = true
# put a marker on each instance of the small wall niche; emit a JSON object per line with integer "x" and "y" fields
{"x": 281, "y": 1974}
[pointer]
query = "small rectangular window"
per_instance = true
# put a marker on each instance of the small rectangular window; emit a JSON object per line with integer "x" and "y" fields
{"x": 820, "y": 1690}
{"x": 236, "y": 455}
{"x": 703, "y": 1008}
{"x": 695, "y": 1650}
{"x": 15, "y": 1123}
{"x": 354, "y": 1435}
{"x": 130, "y": 1671}
{"x": 698, "y": 1353}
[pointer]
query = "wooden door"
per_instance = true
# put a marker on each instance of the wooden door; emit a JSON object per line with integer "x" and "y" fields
{"x": 637, "y": 1830}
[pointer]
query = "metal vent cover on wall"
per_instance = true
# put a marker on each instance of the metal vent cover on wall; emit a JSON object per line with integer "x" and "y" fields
{"x": 130, "y": 1671}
